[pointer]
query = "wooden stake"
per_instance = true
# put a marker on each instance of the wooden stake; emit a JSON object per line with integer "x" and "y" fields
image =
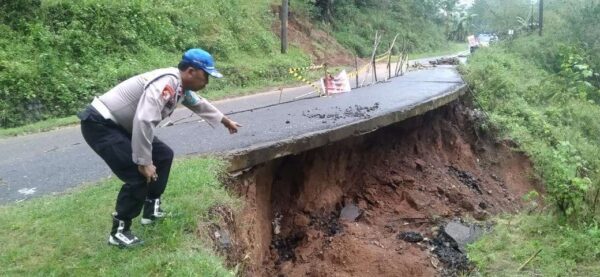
{"x": 375, "y": 44}
{"x": 400, "y": 55}
{"x": 284, "y": 22}
{"x": 401, "y": 58}
{"x": 375, "y": 70}
{"x": 356, "y": 69}
{"x": 529, "y": 260}
{"x": 389, "y": 66}
{"x": 325, "y": 80}
{"x": 280, "y": 93}
{"x": 404, "y": 61}
{"x": 397, "y": 63}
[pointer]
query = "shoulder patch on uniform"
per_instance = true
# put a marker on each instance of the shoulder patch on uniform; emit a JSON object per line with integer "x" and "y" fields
{"x": 190, "y": 98}
{"x": 167, "y": 92}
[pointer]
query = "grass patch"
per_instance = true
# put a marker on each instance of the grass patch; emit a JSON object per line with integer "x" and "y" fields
{"x": 41, "y": 126}
{"x": 540, "y": 93}
{"x": 66, "y": 235}
{"x": 566, "y": 251}
{"x": 60, "y": 60}
{"x": 553, "y": 123}
{"x": 451, "y": 48}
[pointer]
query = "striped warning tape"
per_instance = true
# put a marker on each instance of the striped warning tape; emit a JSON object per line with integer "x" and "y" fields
{"x": 312, "y": 67}
{"x": 295, "y": 71}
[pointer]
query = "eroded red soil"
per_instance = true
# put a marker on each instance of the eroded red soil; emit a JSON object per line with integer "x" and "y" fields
{"x": 412, "y": 176}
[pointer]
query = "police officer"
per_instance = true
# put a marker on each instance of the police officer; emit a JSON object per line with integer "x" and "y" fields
{"x": 119, "y": 126}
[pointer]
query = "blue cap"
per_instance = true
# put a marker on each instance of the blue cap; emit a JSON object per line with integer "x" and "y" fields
{"x": 201, "y": 59}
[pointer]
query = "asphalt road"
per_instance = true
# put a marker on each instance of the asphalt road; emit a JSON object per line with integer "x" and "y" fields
{"x": 53, "y": 162}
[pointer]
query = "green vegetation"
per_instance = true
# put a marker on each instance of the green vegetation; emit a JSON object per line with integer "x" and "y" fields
{"x": 354, "y": 23}
{"x": 66, "y": 235}
{"x": 566, "y": 250}
{"x": 450, "y": 49}
{"x": 40, "y": 126}
{"x": 552, "y": 119}
{"x": 499, "y": 16}
{"x": 544, "y": 92}
{"x": 56, "y": 55}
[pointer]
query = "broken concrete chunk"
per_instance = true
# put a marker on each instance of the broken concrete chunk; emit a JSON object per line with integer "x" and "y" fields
{"x": 350, "y": 212}
{"x": 223, "y": 239}
{"x": 462, "y": 234}
{"x": 410, "y": 236}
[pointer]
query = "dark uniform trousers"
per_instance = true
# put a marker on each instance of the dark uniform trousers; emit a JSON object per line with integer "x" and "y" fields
{"x": 113, "y": 143}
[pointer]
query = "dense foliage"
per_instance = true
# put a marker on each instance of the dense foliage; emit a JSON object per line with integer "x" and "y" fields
{"x": 55, "y": 55}
{"x": 354, "y": 22}
{"x": 544, "y": 92}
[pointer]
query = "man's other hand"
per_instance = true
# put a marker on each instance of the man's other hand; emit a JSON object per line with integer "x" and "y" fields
{"x": 148, "y": 171}
{"x": 231, "y": 125}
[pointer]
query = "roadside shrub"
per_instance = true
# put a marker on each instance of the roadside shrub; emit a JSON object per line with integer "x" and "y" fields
{"x": 554, "y": 123}
{"x": 56, "y": 55}
{"x": 543, "y": 93}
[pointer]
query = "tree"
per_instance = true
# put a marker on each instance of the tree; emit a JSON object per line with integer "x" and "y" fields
{"x": 500, "y": 16}
{"x": 461, "y": 23}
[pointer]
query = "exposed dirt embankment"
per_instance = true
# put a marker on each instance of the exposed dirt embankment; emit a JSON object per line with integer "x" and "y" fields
{"x": 321, "y": 46}
{"x": 358, "y": 207}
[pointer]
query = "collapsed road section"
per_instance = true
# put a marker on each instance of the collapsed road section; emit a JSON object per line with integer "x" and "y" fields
{"x": 396, "y": 185}
{"x": 297, "y": 127}
{"x": 400, "y": 201}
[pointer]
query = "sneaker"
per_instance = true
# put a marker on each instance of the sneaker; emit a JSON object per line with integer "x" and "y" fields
{"x": 152, "y": 211}
{"x": 121, "y": 234}
{"x": 124, "y": 239}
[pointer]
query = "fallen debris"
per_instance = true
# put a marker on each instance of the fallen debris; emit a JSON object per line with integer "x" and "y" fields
{"x": 223, "y": 238}
{"x": 350, "y": 213}
{"x": 462, "y": 234}
{"x": 410, "y": 236}
{"x": 466, "y": 178}
{"x": 356, "y": 111}
{"x": 446, "y": 61}
{"x": 285, "y": 246}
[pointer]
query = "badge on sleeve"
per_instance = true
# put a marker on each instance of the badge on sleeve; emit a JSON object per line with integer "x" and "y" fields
{"x": 168, "y": 92}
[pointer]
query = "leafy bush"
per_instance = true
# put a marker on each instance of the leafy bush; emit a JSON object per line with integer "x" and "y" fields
{"x": 552, "y": 119}
{"x": 565, "y": 250}
{"x": 56, "y": 55}
{"x": 353, "y": 23}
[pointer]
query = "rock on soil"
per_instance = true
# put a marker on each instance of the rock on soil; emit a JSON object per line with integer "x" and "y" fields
{"x": 350, "y": 213}
{"x": 410, "y": 236}
{"x": 462, "y": 234}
